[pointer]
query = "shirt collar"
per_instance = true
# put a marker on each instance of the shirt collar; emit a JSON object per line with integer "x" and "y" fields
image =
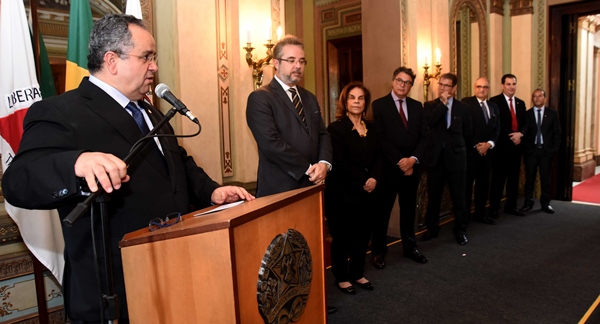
{"x": 285, "y": 86}
{"x": 110, "y": 90}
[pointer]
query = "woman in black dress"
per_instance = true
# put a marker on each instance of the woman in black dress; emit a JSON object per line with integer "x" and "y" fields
{"x": 350, "y": 190}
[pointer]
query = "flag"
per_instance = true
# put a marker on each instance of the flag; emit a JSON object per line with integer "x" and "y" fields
{"x": 80, "y": 26}
{"x": 47, "y": 86}
{"x": 19, "y": 88}
{"x": 134, "y": 8}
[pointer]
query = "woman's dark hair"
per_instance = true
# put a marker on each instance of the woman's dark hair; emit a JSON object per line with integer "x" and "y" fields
{"x": 342, "y": 102}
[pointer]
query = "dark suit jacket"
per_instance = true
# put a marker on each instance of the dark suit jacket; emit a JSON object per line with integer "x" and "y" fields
{"x": 356, "y": 159}
{"x": 286, "y": 147}
{"x": 57, "y": 131}
{"x": 397, "y": 142}
{"x": 506, "y": 119}
{"x": 449, "y": 144}
{"x": 482, "y": 131}
{"x": 550, "y": 131}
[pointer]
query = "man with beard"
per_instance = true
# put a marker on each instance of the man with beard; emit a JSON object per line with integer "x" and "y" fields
{"x": 294, "y": 147}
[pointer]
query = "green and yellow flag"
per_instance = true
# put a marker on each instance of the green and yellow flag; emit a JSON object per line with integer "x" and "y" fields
{"x": 80, "y": 25}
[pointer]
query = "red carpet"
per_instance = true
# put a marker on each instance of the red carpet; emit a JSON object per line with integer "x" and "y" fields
{"x": 588, "y": 190}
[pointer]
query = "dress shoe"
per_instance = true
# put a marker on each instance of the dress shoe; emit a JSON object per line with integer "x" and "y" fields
{"x": 527, "y": 206}
{"x": 485, "y": 220}
{"x": 428, "y": 236}
{"x": 378, "y": 262}
{"x": 514, "y": 211}
{"x": 367, "y": 285}
{"x": 548, "y": 209}
{"x": 331, "y": 309}
{"x": 494, "y": 214}
{"x": 416, "y": 256}
{"x": 348, "y": 290}
{"x": 462, "y": 239}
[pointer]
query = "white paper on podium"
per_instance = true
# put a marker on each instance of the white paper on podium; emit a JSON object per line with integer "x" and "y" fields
{"x": 222, "y": 207}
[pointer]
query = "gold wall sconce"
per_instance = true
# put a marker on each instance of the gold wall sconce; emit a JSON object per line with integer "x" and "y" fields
{"x": 258, "y": 64}
{"x": 427, "y": 76}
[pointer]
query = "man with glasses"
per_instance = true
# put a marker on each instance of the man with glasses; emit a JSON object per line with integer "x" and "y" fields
{"x": 404, "y": 138}
{"x": 294, "y": 147}
{"x": 486, "y": 128}
{"x": 79, "y": 139}
{"x": 506, "y": 164}
{"x": 450, "y": 126}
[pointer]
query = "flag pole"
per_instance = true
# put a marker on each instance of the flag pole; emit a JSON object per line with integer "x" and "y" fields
{"x": 38, "y": 268}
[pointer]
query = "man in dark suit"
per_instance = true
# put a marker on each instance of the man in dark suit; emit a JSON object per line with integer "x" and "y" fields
{"x": 79, "y": 139}
{"x": 449, "y": 122}
{"x": 486, "y": 128}
{"x": 541, "y": 140}
{"x": 294, "y": 147}
{"x": 506, "y": 163}
{"x": 404, "y": 138}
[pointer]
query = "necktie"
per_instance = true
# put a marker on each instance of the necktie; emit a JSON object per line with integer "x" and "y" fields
{"x": 297, "y": 104}
{"x": 402, "y": 115}
{"x": 538, "y": 135}
{"x": 138, "y": 117}
{"x": 448, "y": 117}
{"x": 485, "y": 112}
{"x": 515, "y": 125}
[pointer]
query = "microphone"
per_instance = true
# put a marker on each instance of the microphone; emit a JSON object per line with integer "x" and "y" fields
{"x": 162, "y": 91}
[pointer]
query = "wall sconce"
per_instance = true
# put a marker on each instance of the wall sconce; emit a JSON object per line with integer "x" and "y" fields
{"x": 436, "y": 75}
{"x": 257, "y": 65}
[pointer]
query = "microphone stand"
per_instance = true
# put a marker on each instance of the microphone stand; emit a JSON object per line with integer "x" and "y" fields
{"x": 110, "y": 301}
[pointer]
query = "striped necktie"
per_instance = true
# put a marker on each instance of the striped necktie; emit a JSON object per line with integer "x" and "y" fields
{"x": 297, "y": 104}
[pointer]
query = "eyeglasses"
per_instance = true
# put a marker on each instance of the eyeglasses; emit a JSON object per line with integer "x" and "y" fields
{"x": 152, "y": 57}
{"x": 482, "y": 87}
{"x": 293, "y": 61}
{"x": 170, "y": 219}
{"x": 443, "y": 85}
{"x": 403, "y": 82}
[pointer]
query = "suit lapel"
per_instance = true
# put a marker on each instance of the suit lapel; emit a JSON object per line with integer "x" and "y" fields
{"x": 283, "y": 96}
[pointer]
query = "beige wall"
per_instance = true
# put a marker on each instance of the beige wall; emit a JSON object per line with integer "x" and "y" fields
{"x": 521, "y": 55}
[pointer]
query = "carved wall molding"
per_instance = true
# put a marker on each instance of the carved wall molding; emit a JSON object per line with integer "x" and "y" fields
{"x": 404, "y": 30}
{"x": 16, "y": 265}
{"x": 497, "y": 7}
{"x": 321, "y": 3}
{"x": 521, "y": 7}
{"x": 477, "y": 7}
{"x": 541, "y": 43}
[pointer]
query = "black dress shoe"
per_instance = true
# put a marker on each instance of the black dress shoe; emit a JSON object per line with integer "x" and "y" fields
{"x": 514, "y": 211}
{"x": 494, "y": 214}
{"x": 367, "y": 285}
{"x": 331, "y": 309}
{"x": 462, "y": 239}
{"x": 428, "y": 236}
{"x": 527, "y": 206}
{"x": 416, "y": 256}
{"x": 485, "y": 220}
{"x": 378, "y": 262}
{"x": 548, "y": 209}
{"x": 348, "y": 290}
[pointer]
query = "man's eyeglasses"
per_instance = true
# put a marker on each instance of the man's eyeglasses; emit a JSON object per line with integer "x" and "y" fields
{"x": 293, "y": 61}
{"x": 145, "y": 58}
{"x": 443, "y": 85}
{"x": 482, "y": 87}
{"x": 403, "y": 82}
{"x": 170, "y": 219}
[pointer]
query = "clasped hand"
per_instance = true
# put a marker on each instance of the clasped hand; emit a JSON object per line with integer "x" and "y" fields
{"x": 317, "y": 173}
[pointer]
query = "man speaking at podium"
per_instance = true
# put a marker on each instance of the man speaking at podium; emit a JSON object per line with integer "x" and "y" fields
{"x": 80, "y": 138}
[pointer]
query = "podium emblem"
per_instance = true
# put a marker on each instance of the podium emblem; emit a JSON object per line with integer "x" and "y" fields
{"x": 284, "y": 278}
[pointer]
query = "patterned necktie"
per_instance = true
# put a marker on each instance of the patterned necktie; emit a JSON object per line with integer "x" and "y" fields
{"x": 485, "y": 112}
{"x": 515, "y": 125}
{"x": 538, "y": 135}
{"x": 402, "y": 115}
{"x": 138, "y": 117}
{"x": 297, "y": 104}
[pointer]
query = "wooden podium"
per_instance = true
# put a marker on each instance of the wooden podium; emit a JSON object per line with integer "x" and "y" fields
{"x": 205, "y": 269}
